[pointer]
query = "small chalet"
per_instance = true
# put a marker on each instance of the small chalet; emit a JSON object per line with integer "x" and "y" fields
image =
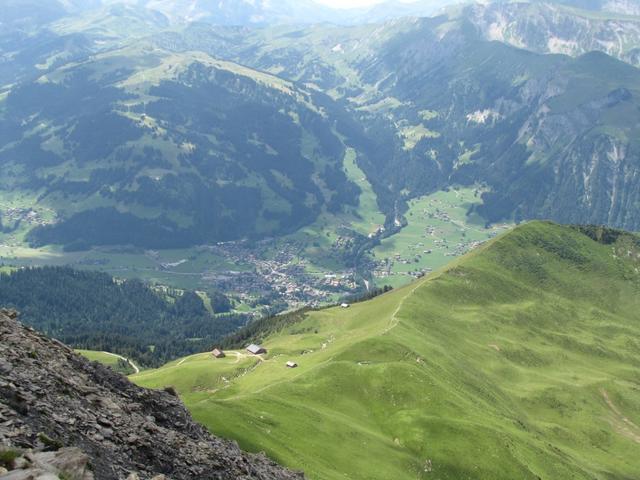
{"x": 345, "y": 305}
{"x": 256, "y": 349}
{"x": 291, "y": 364}
{"x": 218, "y": 353}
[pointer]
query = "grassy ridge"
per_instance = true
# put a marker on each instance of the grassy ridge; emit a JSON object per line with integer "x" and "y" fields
{"x": 518, "y": 361}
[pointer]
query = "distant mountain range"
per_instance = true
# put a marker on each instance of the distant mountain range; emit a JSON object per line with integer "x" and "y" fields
{"x": 442, "y": 103}
{"x": 121, "y": 124}
{"x": 32, "y": 13}
{"x": 29, "y": 14}
{"x": 556, "y": 28}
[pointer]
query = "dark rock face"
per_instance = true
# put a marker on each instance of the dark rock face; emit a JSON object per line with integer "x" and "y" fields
{"x": 56, "y": 406}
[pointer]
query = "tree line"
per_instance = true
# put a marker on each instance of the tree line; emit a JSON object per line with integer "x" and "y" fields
{"x": 91, "y": 310}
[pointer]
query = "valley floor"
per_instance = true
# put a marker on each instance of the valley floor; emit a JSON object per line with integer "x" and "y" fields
{"x": 307, "y": 267}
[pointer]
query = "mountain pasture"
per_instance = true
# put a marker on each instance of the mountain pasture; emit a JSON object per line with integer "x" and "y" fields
{"x": 519, "y": 360}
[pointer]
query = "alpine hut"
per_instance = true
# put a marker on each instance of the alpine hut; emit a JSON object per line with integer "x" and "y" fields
{"x": 218, "y": 353}
{"x": 256, "y": 349}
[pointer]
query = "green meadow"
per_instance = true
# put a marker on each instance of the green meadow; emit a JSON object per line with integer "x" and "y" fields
{"x": 439, "y": 228}
{"x": 108, "y": 359}
{"x": 368, "y": 215}
{"x": 518, "y": 361}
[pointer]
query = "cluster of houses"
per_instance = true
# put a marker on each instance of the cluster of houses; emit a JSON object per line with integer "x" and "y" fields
{"x": 378, "y": 232}
{"x": 252, "y": 349}
{"x": 26, "y": 215}
{"x": 283, "y": 273}
{"x": 345, "y": 280}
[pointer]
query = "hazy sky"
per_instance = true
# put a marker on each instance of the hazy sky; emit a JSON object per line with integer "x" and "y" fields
{"x": 351, "y": 3}
{"x": 348, "y": 3}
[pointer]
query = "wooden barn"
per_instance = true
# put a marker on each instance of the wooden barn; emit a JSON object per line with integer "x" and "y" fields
{"x": 256, "y": 349}
{"x": 218, "y": 353}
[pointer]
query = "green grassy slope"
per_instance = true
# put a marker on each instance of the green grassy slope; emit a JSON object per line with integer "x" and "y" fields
{"x": 519, "y": 360}
{"x": 108, "y": 359}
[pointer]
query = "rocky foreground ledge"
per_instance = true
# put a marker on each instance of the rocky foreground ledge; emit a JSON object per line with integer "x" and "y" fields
{"x": 63, "y": 417}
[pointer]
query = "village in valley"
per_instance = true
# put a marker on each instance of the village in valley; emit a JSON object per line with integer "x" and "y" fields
{"x": 281, "y": 273}
{"x": 18, "y": 217}
{"x": 338, "y": 256}
{"x": 29, "y": 216}
{"x": 438, "y": 228}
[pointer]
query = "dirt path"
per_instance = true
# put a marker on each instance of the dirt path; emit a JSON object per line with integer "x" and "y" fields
{"x": 240, "y": 356}
{"x": 133, "y": 365}
{"x": 184, "y": 360}
{"x": 622, "y": 424}
{"x": 393, "y": 321}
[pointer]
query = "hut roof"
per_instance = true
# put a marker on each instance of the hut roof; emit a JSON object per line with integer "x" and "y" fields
{"x": 255, "y": 349}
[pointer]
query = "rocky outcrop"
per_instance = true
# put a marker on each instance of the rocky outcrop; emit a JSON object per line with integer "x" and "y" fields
{"x": 66, "y": 463}
{"x": 62, "y": 416}
{"x": 545, "y": 27}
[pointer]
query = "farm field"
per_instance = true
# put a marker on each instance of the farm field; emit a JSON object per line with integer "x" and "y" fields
{"x": 438, "y": 230}
{"x": 518, "y": 360}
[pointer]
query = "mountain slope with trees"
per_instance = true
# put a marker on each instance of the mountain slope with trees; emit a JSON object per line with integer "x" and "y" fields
{"x": 196, "y": 133}
{"x": 169, "y": 150}
{"x": 91, "y": 310}
{"x": 551, "y": 136}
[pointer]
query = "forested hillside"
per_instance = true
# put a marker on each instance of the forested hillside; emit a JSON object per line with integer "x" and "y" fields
{"x": 440, "y": 104}
{"x": 93, "y": 311}
{"x": 168, "y": 150}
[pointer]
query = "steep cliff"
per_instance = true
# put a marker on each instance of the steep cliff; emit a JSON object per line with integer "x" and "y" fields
{"x": 545, "y": 27}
